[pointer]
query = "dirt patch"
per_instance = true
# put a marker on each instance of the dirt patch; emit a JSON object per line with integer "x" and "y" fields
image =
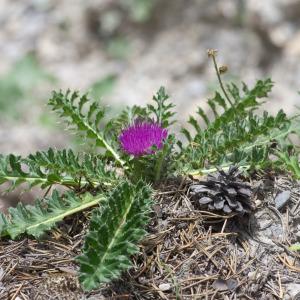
{"x": 188, "y": 254}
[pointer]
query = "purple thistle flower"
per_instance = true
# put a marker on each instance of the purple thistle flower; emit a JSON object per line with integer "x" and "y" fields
{"x": 138, "y": 139}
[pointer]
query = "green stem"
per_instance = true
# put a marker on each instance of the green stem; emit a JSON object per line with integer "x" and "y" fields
{"x": 158, "y": 167}
{"x": 72, "y": 211}
{"x": 137, "y": 170}
{"x": 66, "y": 181}
{"x": 106, "y": 145}
{"x": 212, "y": 170}
{"x": 219, "y": 78}
{"x": 159, "y": 163}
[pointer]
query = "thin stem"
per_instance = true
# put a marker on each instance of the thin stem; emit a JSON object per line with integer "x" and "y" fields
{"x": 212, "y": 170}
{"x": 158, "y": 168}
{"x": 71, "y": 211}
{"x": 213, "y": 55}
{"x": 159, "y": 163}
{"x": 66, "y": 181}
{"x": 137, "y": 170}
{"x": 106, "y": 144}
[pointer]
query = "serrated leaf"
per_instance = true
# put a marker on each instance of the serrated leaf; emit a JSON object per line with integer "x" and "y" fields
{"x": 65, "y": 105}
{"x": 37, "y": 219}
{"x": 295, "y": 247}
{"x": 186, "y": 134}
{"x": 162, "y": 110}
{"x": 50, "y": 167}
{"x": 195, "y": 124}
{"x": 3, "y": 224}
{"x": 203, "y": 115}
{"x": 291, "y": 162}
{"x": 115, "y": 229}
{"x": 238, "y": 135}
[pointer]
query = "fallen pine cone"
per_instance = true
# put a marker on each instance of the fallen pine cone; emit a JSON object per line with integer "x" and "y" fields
{"x": 224, "y": 192}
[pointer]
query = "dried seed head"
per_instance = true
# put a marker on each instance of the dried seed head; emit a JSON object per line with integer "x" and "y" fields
{"x": 223, "y": 69}
{"x": 212, "y": 52}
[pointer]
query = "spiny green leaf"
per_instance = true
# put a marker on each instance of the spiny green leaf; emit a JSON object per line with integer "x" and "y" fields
{"x": 220, "y": 101}
{"x": 37, "y": 219}
{"x": 262, "y": 88}
{"x": 187, "y": 134}
{"x": 163, "y": 109}
{"x": 213, "y": 107}
{"x": 295, "y": 247}
{"x": 237, "y": 135}
{"x": 50, "y": 167}
{"x": 3, "y": 224}
{"x": 115, "y": 229}
{"x": 194, "y": 123}
{"x": 242, "y": 106}
{"x": 291, "y": 162}
{"x": 202, "y": 114}
{"x": 70, "y": 106}
{"x": 235, "y": 92}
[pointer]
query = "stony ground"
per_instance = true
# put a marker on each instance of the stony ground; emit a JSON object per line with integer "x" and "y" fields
{"x": 188, "y": 253}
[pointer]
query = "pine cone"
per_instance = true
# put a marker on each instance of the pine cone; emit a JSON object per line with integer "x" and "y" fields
{"x": 223, "y": 192}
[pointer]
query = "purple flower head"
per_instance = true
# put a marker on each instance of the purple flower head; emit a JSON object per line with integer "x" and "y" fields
{"x": 138, "y": 138}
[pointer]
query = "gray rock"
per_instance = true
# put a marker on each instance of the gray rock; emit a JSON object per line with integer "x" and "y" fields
{"x": 224, "y": 285}
{"x": 205, "y": 200}
{"x": 164, "y": 287}
{"x": 282, "y": 199}
{"x": 293, "y": 290}
{"x": 220, "y": 284}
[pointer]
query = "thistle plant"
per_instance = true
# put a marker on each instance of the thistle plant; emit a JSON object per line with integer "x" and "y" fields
{"x": 130, "y": 156}
{"x": 142, "y": 141}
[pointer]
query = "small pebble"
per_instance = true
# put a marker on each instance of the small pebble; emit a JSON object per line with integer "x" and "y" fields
{"x": 224, "y": 285}
{"x": 220, "y": 284}
{"x": 252, "y": 275}
{"x": 1, "y": 276}
{"x": 164, "y": 287}
{"x": 258, "y": 203}
{"x": 281, "y": 199}
{"x": 232, "y": 284}
{"x": 293, "y": 289}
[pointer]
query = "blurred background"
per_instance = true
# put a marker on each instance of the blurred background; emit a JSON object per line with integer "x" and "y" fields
{"x": 122, "y": 51}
